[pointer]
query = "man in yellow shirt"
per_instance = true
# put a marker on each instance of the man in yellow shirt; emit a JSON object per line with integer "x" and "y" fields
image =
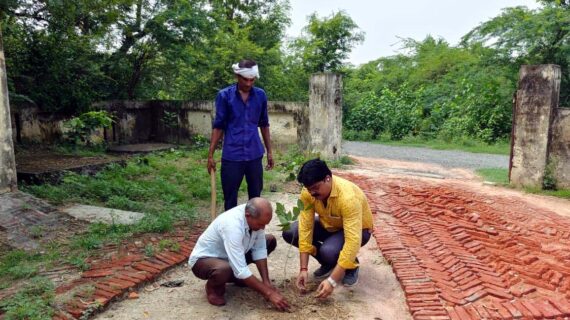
{"x": 336, "y": 223}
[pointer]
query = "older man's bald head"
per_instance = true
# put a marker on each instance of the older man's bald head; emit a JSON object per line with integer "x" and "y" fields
{"x": 258, "y": 212}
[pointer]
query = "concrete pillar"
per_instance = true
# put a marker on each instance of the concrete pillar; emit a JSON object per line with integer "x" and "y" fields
{"x": 7, "y": 162}
{"x": 536, "y": 98}
{"x": 560, "y": 147}
{"x": 322, "y": 134}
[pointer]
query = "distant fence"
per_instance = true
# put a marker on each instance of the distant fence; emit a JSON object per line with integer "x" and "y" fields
{"x": 315, "y": 126}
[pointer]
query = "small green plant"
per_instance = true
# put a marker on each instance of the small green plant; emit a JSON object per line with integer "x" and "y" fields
{"x": 34, "y": 302}
{"x": 286, "y": 218}
{"x": 36, "y": 232}
{"x": 549, "y": 181}
{"x": 167, "y": 244}
{"x": 79, "y": 261}
{"x": 149, "y": 250}
{"x": 82, "y": 127}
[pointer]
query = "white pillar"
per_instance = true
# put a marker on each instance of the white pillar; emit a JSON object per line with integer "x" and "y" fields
{"x": 8, "y": 177}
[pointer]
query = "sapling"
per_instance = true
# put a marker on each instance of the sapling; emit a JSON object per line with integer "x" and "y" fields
{"x": 286, "y": 218}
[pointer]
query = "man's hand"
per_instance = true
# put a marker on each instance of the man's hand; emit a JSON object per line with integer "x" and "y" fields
{"x": 278, "y": 300}
{"x": 270, "y": 163}
{"x": 302, "y": 281}
{"x": 324, "y": 290}
{"x": 269, "y": 284}
{"x": 211, "y": 164}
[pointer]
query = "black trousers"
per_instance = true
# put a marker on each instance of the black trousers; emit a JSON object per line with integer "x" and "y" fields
{"x": 232, "y": 173}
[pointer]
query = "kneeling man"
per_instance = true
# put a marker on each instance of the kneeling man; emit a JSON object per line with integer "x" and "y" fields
{"x": 337, "y": 221}
{"x": 233, "y": 240}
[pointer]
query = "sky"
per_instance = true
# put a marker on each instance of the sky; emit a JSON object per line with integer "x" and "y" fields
{"x": 384, "y": 22}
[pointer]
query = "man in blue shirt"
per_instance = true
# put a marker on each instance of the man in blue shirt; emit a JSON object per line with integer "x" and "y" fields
{"x": 240, "y": 109}
{"x": 233, "y": 240}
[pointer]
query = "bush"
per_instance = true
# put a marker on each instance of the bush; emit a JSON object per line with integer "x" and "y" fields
{"x": 81, "y": 128}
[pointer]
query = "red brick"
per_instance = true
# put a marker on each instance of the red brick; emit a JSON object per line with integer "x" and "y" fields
{"x": 521, "y": 308}
{"x": 535, "y": 312}
{"x": 155, "y": 263}
{"x": 108, "y": 288}
{"x": 77, "y": 313}
{"x": 512, "y": 310}
{"x": 98, "y": 273}
{"x": 135, "y": 274}
{"x": 561, "y": 304}
{"x": 547, "y": 309}
{"x": 503, "y": 312}
{"x": 123, "y": 284}
{"x": 472, "y": 311}
{"x": 499, "y": 293}
{"x": 104, "y": 294}
{"x": 166, "y": 259}
{"x": 482, "y": 312}
{"x": 453, "y": 314}
{"x": 145, "y": 267}
{"x": 127, "y": 278}
{"x": 462, "y": 313}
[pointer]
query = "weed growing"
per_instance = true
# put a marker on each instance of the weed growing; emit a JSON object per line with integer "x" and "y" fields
{"x": 33, "y": 302}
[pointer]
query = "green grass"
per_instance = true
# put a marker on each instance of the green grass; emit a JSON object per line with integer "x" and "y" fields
{"x": 33, "y": 302}
{"x": 561, "y": 193}
{"x": 501, "y": 177}
{"x": 496, "y": 175}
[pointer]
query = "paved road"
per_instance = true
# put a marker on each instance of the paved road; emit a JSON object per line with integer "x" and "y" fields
{"x": 445, "y": 158}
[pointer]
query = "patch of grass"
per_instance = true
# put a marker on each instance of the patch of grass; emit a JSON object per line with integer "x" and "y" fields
{"x": 462, "y": 144}
{"x": 560, "y": 193}
{"x": 33, "y": 302}
{"x": 496, "y": 175}
{"x": 19, "y": 264}
{"x": 79, "y": 150}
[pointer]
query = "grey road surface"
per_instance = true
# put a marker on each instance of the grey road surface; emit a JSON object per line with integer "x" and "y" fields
{"x": 445, "y": 158}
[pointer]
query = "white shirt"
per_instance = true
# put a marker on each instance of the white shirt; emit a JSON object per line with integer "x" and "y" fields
{"x": 228, "y": 237}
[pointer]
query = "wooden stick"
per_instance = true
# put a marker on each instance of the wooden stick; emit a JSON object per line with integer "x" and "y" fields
{"x": 213, "y": 211}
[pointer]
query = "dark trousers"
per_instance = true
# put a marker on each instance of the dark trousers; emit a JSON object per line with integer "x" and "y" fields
{"x": 218, "y": 271}
{"x": 328, "y": 244}
{"x": 232, "y": 173}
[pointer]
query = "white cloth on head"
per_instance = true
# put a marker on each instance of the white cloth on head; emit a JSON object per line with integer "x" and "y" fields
{"x": 249, "y": 73}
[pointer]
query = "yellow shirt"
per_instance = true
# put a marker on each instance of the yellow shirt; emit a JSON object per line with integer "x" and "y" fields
{"x": 347, "y": 208}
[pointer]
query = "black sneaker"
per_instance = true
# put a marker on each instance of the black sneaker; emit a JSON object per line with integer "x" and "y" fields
{"x": 323, "y": 271}
{"x": 350, "y": 277}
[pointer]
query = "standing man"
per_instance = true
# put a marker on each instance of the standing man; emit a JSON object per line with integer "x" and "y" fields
{"x": 337, "y": 223}
{"x": 240, "y": 109}
{"x": 233, "y": 240}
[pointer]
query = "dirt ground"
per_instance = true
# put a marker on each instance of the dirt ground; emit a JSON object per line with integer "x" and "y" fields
{"x": 378, "y": 294}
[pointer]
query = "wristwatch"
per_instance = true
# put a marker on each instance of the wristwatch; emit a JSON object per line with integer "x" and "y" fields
{"x": 332, "y": 282}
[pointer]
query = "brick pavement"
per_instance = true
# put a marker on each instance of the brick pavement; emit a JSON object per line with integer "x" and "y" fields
{"x": 460, "y": 255}
{"x": 122, "y": 272}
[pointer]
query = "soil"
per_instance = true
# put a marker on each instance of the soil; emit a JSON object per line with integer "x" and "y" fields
{"x": 43, "y": 160}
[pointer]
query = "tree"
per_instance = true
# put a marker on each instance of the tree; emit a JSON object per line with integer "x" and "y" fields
{"x": 523, "y": 36}
{"x": 326, "y": 43}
